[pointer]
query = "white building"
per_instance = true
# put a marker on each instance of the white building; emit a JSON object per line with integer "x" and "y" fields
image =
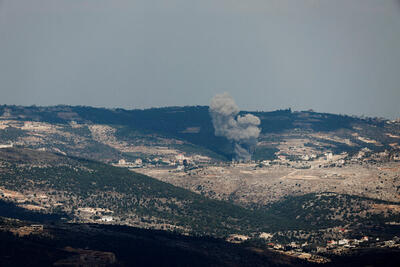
{"x": 266, "y": 236}
{"x": 329, "y": 156}
{"x": 6, "y": 146}
{"x": 106, "y": 219}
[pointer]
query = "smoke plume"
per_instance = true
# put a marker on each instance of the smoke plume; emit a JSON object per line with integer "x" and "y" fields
{"x": 243, "y": 131}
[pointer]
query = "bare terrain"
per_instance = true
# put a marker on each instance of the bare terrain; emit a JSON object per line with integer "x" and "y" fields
{"x": 249, "y": 184}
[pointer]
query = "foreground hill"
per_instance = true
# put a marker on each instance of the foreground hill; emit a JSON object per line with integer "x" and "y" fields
{"x": 22, "y": 244}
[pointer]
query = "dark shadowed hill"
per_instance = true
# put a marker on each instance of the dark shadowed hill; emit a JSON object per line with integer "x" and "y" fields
{"x": 102, "y": 245}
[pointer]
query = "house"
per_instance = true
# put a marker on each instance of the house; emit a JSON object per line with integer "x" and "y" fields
{"x": 328, "y": 156}
{"x": 282, "y": 157}
{"x": 266, "y": 235}
{"x": 37, "y": 227}
{"x": 265, "y": 162}
{"x": 331, "y": 243}
{"x": 237, "y": 238}
{"x": 106, "y": 219}
{"x": 6, "y": 145}
{"x": 305, "y": 157}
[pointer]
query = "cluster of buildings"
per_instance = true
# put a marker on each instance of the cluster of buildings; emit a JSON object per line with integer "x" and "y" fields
{"x": 328, "y": 159}
{"x": 138, "y": 163}
{"x": 178, "y": 161}
{"x": 318, "y": 253}
{"x": 341, "y": 244}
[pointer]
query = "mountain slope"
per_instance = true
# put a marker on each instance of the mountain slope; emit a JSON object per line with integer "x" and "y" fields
{"x": 192, "y": 125}
{"x": 92, "y": 191}
{"x": 102, "y": 245}
{"x": 89, "y": 191}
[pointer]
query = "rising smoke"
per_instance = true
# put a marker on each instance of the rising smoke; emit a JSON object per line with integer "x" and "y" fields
{"x": 243, "y": 131}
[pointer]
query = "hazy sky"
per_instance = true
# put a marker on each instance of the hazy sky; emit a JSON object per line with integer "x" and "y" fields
{"x": 339, "y": 56}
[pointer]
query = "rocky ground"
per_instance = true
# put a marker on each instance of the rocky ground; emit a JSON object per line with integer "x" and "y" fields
{"x": 250, "y": 184}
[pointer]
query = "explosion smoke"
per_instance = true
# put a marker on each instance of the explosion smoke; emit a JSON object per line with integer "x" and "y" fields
{"x": 243, "y": 131}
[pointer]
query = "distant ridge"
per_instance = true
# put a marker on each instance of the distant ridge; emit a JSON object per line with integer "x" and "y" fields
{"x": 177, "y": 122}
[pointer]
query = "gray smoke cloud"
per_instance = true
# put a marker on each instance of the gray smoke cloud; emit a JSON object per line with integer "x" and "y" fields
{"x": 243, "y": 131}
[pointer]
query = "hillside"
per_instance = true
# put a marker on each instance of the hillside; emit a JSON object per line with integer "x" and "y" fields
{"x": 110, "y": 134}
{"x": 52, "y": 188}
{"x": 89, "y": 191}
{"x": 59, "y": 244}
{"x": 102, "y": 245}
{"x": 319, "y": 185}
